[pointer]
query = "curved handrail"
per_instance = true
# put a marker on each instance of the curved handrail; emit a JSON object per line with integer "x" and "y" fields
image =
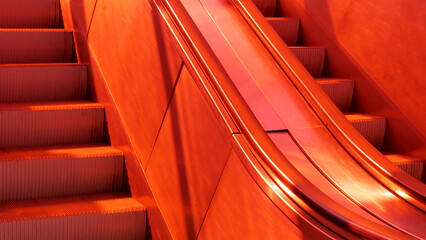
{"x": 395, "y": 179}
{"x": 304, "y": 192}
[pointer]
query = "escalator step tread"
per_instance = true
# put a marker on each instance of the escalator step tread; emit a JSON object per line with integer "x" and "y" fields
{"x": 35, "y": 46}
{"x": 266, "y": 7}
{"x": 340, "y": 91}
{"x": 29, "y": 14}
{"x": 50, "y": 123}
{"x": 413, "y": 166}
{"x": 54, "y": 171}
{"x": 312, "y": 58}
{"x": 99, "y": 216}
{"x": 287, "y": 28}
{"x": 372, "y": 127}
{"x": 42, "y": 82}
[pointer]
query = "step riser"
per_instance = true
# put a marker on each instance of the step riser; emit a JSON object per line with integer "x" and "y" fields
{"x": 413, "y": 166}
{"x": 43, "y": 83}
{"x": 287, "y": 28}
{"x": 56, "y": 177}
{"x": 312, "y": 58}
{"x": 35, "y": 47}
{"x": 266, "y": 7}
{"x": 339, "y": 92}
{"x": 29, "y": 14}
{"x": 415, "y": 169}
{"x": 374, "y": 131}
{"x": 27, "y": 128}
{"x": 127, "y": 225}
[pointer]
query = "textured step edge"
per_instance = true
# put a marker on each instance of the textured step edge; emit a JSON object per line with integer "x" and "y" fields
{"x": 45, "y": 106}
{"x": 83, "y": 150}
{"x": 123, "y": 225}
{"x": 373, "y": 128}
{"x": 413, "y": 166}
{"x": 32, "y": 13}
{"x": 340, "y": 91}
{"x": 287, "y": 28}
{"x": 106, "y": 203}
{"x": 35, "y": 46}
{"x": 20, "y": 65}
{"x": 43, "y": 83}
{"x": 50, "y": 124}
{"x": 60, "y": 172}
{"x": 100, "y": 216}
{"x": 312, "y": 58}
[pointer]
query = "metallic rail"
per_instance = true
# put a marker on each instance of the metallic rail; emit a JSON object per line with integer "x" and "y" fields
{"x": 396, "y": 180}
{"x": 207, "y": 70}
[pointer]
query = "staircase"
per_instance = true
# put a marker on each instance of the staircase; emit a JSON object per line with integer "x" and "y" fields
{"x": 340, "y": 91}
{"x": 58, "y": 180}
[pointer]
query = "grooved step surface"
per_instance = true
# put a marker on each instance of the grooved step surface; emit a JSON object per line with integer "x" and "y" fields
{"x": 372, "y": 127}
{"x": 48, "y": 82}
{"x": 311, "y": 57}
{"x": 104, "y": 216}
{"x": 340, "y": 91}
{"x": 287, "y": 28}
{"x": 266, "y": 7}
{"x": 35, "y": 46}
{"x": 53, "y": 123}
{"x": 413, "y": 166}
{"x": 29, "y": 13}
{"x": 55, "y": 172}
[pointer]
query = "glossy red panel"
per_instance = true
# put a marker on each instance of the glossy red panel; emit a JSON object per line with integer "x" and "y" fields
{"x": 240, "y": 210}
{"x": 330, "y": 158}
{"x": 243, "y": 80}
{"x": 140, "y": 69}
{"x": 255, "y": 61}
{"x": 118, "y": 134}
{"x": 298, "y": 159}
{"x": 137, "y": 184}
{"x": 187, "y": 160}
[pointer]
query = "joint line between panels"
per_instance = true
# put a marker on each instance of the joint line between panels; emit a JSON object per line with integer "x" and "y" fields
{"x": 165, "y": 113}
{"x": 91, "y": 19}
{"x": 214, "y": 192}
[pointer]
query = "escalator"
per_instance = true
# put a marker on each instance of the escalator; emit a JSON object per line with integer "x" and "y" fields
{"x": 310, "y": 138}
{"x": 172, "y": 119}
{"x": 59, "y": 178}
{"x": 340, "y": 91}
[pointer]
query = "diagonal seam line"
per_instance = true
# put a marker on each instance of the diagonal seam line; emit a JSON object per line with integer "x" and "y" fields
{"x": 165, "y": 113}
{"x": 91, "y": 19}
{"x": 214, "y": 192}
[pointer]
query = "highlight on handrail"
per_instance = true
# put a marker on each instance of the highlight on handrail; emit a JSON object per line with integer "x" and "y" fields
{"x": 205, "y": 67}
{"x": 370, "y": 158}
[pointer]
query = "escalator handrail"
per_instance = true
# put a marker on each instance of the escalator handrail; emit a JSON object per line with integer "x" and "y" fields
{"x": 257, "y": 138}
{"x": 395, "y": 179}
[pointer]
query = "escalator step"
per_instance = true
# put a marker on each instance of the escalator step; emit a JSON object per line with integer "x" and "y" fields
{"x": 372, "y": 127}
{"x": 43, "y": 82}
{"x": 55, "y": 172}
{"x": 29, "y": 13}
{"x": 266, "y": 7}
{"x": 100, "y": 216}
{"x": 52, "y": 123}
{"x": 35, "y": 46}
{"x": 413, "y": 166}
{"x": 287, "y": 28}
{"x": 340, "y": 91}
{"x": 312, "y": 58}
